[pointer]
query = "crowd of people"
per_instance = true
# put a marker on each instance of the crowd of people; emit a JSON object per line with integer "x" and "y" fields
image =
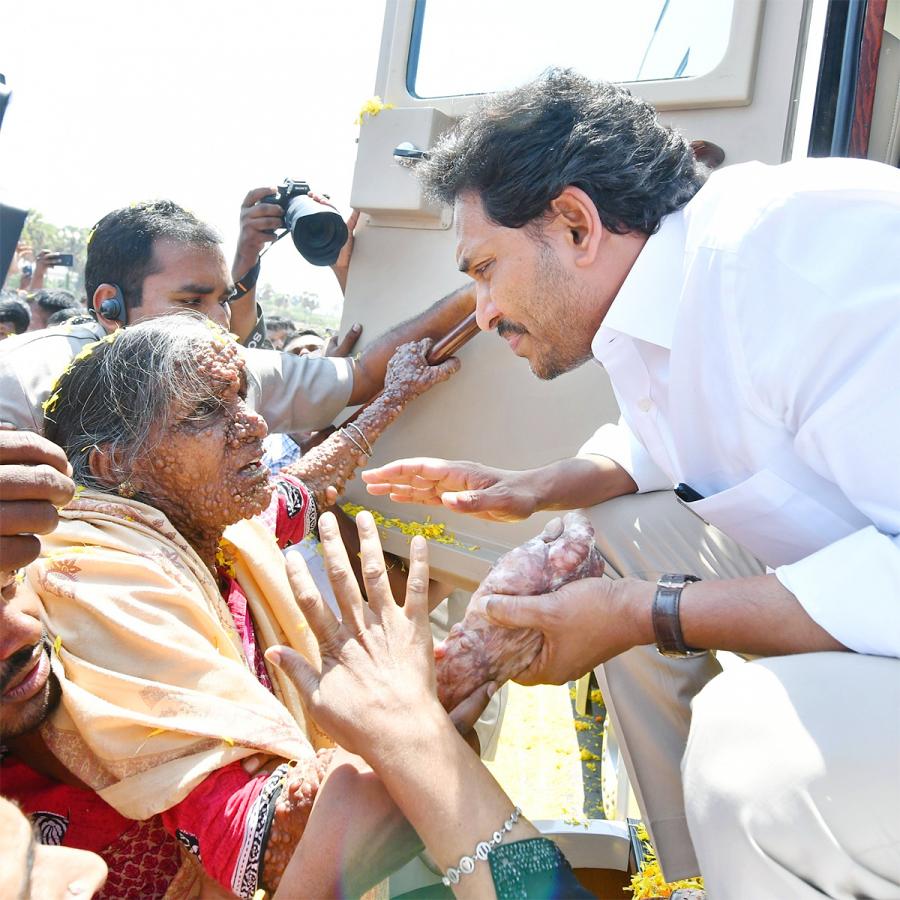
{"x": 183, "y": 715}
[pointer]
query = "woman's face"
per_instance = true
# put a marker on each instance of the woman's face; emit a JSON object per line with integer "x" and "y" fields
{"x": 205, "y": 471}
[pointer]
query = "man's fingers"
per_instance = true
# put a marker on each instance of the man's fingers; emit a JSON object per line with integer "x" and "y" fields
{"x": 18, "y": 551}
{"x": 401, "y": 471}
{"x": 41, "y": 482}
{"x": 466, "y": 713}
{"x": 340, "y": 574}
{"x": 257, "y": 194}
{"x": 28, "y": 448}
{"x": 27, "y": 517}
{"x": 352, "y": 221}
{"x": 301, "y": 673}
{"x": 516, "y": 612}
{"x": 416, "y": 605}
{"x": 348, "y": 342}
{"x": 264, "y": 223}
{"x": 322, "y": 621}
{"x": 374, "y": 571}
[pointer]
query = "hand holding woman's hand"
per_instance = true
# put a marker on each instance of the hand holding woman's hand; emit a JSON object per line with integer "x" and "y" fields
{"x": 377, "y": 673}
{"x": 409, "y": 374}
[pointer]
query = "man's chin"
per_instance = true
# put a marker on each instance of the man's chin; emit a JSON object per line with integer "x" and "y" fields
{"x": 547, "y": 370}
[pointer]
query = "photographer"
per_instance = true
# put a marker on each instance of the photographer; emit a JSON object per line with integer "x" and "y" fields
{"x": 259, "y": 221}
{"x": 46, "y": 259}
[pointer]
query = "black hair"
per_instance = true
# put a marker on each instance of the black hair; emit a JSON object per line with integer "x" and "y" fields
{"x": 303, "y": 333}
{"x": 52, "y": 301}
{"x": 522, "y": 148}
{"x": 64, "y": 315}
{"x": 120, "y": 246}
{"x": 279, "y": 323}
{"x": 15, "y": 311}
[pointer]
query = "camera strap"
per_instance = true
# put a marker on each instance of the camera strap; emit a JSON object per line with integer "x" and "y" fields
{"x": 245, "y": 284}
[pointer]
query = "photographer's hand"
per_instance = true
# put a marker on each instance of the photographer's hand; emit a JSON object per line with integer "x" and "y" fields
{"x": 258, "y": 224}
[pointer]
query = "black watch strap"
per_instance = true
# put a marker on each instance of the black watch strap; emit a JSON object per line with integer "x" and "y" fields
{"x": 666, "y": 621}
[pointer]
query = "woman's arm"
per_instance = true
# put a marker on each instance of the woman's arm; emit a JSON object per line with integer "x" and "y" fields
{"x": 327, "y": 468}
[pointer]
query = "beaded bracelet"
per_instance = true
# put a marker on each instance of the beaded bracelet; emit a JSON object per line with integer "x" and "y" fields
{"x": 467, "y": 863}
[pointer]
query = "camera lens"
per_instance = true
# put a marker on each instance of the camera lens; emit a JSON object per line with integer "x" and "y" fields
{"x": 318, "y": 231}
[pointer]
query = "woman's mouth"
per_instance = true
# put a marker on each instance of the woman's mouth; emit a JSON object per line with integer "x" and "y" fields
{"x": 32, "y": 680}
{"x": 254, "y": 469}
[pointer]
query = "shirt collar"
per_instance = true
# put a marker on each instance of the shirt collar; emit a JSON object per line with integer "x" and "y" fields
{"x": 646, "y": 305}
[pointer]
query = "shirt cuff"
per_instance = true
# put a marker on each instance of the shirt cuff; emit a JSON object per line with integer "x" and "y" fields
{"x": 616, "y": 442}
{"x": 850, "y": 588}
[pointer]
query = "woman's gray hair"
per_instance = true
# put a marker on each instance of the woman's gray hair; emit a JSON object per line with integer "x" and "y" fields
{"x": 119, "y": 392}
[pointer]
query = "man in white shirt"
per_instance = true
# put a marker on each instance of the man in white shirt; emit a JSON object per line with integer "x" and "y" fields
{"x": 751, "y": 330}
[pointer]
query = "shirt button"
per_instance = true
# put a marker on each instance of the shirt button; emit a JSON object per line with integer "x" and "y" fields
{"x": 645, "y": 404}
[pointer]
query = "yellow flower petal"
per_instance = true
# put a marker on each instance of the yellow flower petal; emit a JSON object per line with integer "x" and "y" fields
{"x": 156, "y": 731}
{"x": 57, "y": 644}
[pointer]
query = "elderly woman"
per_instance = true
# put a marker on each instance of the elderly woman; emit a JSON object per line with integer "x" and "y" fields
{"x": 161, "y": 590}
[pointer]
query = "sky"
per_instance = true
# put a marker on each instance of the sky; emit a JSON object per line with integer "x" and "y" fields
{"x": 197, "y": 101}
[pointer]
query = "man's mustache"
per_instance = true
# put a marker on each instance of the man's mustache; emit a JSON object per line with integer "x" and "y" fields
{"x": 505, "y": 327}
{"x": 13, "y": 666}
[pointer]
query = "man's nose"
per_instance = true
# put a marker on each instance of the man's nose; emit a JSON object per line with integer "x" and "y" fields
{"x": 221, "y": 315}
{"x": 486, "y": 314}
{"x": 18, "y": 629}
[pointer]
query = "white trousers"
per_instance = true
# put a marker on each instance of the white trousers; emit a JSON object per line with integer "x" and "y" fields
{"x": 792, "y": 778}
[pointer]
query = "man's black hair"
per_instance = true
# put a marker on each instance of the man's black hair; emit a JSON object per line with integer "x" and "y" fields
{"x": 523, "y": 147}
{"x": 279, "y": 323}
{"x": 15, "y": 311}
{"x": 120, "y": 247}
{"x": 303, "y": 333}
{"x": 64, "y": 315}
{"x": 52, "y": 301}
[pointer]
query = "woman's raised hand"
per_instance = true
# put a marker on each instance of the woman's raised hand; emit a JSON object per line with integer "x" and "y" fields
{"x": 378, "y": 663}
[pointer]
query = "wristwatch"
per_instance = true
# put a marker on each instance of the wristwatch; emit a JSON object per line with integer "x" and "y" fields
{"x": 666, "y": 623}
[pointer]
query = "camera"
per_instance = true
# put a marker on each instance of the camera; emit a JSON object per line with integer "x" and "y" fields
{"x": 62, "y": 259}
{"x": 317, "y": 230}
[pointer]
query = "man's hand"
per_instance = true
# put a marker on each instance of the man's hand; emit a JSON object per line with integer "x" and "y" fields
{"x": 343, "y": 347}
{"x": 498, "y": 495}
{"x": 584, "y": 623}
{"x": 35, "y": 478}
{"x": 341, "y": 266}
{"x": 258, "y": 224}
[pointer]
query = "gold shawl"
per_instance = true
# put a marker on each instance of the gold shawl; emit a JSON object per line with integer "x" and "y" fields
{"x": 156, "y": 692}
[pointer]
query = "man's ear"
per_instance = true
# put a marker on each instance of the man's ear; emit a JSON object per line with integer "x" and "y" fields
{"x": 109, "y": 306}
{"x": 576, "y": 214}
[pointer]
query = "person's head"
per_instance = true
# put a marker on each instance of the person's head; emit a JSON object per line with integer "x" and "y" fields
{"x": 29, "y": 691}
{"x": 157, "y": 258}
{"x": 45, "y": 303}
{"x": 32, "y": 871}
{"x": 557, "y": 186}
{"x": 304, "y": 343}
{"x": 277, "y": 329}
{"x": 14, "y": 317}
{"x": 66, "y": 315}
{"x": 157, "y": 411}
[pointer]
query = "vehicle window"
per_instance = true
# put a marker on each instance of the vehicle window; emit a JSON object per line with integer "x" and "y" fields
{"x": 479, "y": 46}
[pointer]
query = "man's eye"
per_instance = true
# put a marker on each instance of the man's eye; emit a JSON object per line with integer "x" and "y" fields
{"x": 479, "y": 272}
{"x": 192, "y": 301}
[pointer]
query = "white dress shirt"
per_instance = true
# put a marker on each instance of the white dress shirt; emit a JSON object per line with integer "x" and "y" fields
{"x": 754, "y": 349}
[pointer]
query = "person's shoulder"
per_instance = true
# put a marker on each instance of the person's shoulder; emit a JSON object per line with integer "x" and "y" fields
{"x": 748, "y": 202}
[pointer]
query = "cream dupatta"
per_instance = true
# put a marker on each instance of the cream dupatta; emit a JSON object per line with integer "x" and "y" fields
{"x": 156, "y": 693}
